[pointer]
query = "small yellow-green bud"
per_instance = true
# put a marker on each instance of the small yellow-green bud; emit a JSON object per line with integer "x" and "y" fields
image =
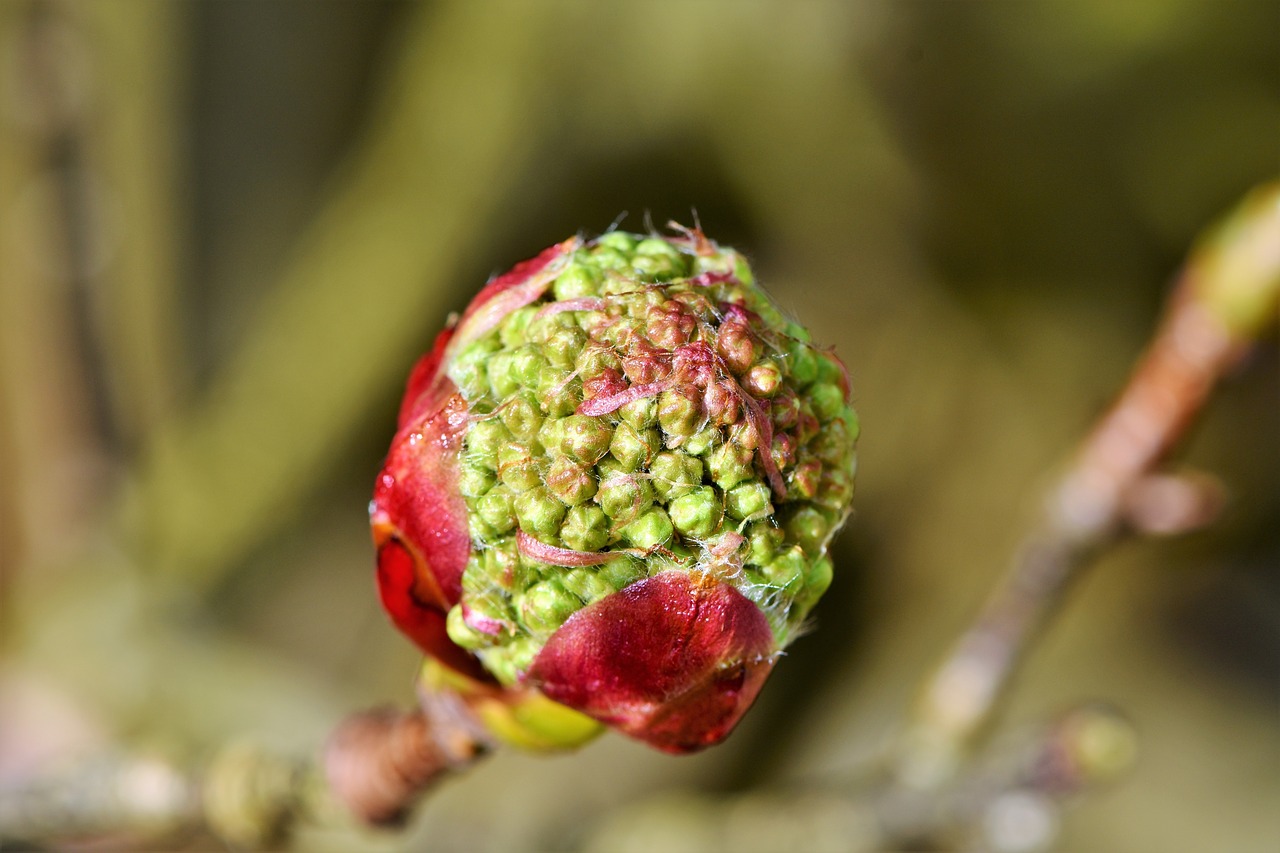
{"x": 633, "y": 448}
{"x": 749, "y": 501}
{"x": 518, "y": 467}
{"x": 763, "y": 540}
{"x": 527, "y": 363}
{"x": 674, "y": 474}
{"x": 497, "y": 509}
{"x": 680, "y": 412}
{"x": 463, "y": 634}
{"x": 577, "y": 282}
{"x": 787, "y": 570}
{"x": 586, "y": 584}
{"x": 649, "y": 530}
{"x": 729, "y": 464}
{"x": 622, "y": 495}
{"x": 585, "y": 528}
{"x": 475, "y": 480}
{"x": 559, "y": 390}
{"x": 809, "y": 526}
{"x": 640, "y": 414}
{"x": 545, "y": 605}
{"x": 585, "y": 438}
{"x": 697, "y": 514}
{"x": 522, "y": 416}
{"x": 827, "y": 400}
{"x": 570, "y": 481}
{"x": 763, "y": 380}
{"x": 803, "y": 368}
{"x": 703, "y": 441}
{"x": 484, "y": 439}
{"x": 538, "y": 512}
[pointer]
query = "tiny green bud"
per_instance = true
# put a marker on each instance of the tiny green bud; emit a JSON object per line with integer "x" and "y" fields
{"x": 658, "y": 260}
{"x": 809, "y": 526}
{"x": 502, "y": 566}
{"x": 831, "y": 444}
{"x": 827, "y": 400}
{"x": 619, "y": 241}
{"x": 805, "y": 479}
{"x": 499, "y": 372}
{"x": 607, "y": 258}
{"x": 749, "y": 501}
{"x": 576, "y": 282}
{"x": 649, "y": 530}
{"x": 829, "y": 370}
{"x": 538, "y": 512}
{"x": 703, "y": 441}
{"x": 522, "y": 416}
{"x": 570, "y": 481}
{"x": 586, "y": 584}
{"x": 633, "y": 448}
{"x": 622, "y": 495}
{"x": 763, "y": 380}
{"x": 551, "y": 432}
{"x": 564, "y": 346}
{"x": 804, "y": 364}
{"x": 559, "y": 390}
{"x": 512, "y": 331}
{"x": 585, "y": 438}
{"x": 475, "y": 480}
{"x": 594, "y": 360}
{"x": 621, "y": 572}
{"x": 484, "y": 440}
{"x": 527, "y": 363}
{"x": 545, "y": 605}
{"x": 463, "y": 634}
{"x": 497, "y": 510}
{"x": 763, "y": 540}
{"x": 518, "y": 467}
{"x": 836, "y": 489}
{"x": 729, "y": 464}
{"x": 680, "y": 412}
{"x": 674, "y": 474}
{"x": 818, "y": 578}
{"x": 787, "y": 570}
{"x": 640, "y": 414}
{"x": 585, "y": 528}
{"x": 520, "y": 655}
{"x": 468, "y": 368}
{"x": 696, "y": 514}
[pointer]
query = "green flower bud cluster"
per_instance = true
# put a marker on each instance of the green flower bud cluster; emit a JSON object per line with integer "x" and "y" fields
{"x": 653, "y": 410}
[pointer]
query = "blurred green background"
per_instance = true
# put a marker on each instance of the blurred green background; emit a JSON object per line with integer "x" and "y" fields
{"x": 228, "y": 228}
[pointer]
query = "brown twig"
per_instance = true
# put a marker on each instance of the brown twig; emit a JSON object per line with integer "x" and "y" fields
{"x": 375, "y": 767}
{"x": 1227, "y": 294}
{"x": 378, "y": 763}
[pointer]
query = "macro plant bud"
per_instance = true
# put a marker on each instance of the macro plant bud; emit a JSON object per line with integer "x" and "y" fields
{"x": 612, "y": 490}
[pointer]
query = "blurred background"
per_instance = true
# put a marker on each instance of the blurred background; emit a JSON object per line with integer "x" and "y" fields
{"x": 228, "y": 228}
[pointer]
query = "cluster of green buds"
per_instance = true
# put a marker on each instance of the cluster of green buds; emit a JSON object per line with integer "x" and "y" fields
{"x": 614, "y": 486}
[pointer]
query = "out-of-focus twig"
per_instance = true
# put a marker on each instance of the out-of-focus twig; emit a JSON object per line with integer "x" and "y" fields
{"x": 374, "y": 768}
{"x": 1226, "y": 296}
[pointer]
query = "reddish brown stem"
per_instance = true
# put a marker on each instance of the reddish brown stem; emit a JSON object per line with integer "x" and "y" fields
{"x": 379, "y": 762}
{"x": 1191, "y": 351}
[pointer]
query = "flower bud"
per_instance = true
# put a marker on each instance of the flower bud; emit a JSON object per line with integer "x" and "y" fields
{"x": 611, "y": 493}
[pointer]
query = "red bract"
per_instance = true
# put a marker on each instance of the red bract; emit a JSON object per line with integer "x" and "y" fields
{"x": 674, "y": 660}
{"x": 418, "y": 516}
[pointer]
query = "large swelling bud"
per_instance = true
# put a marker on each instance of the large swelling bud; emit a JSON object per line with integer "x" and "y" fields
{"x": 613, "y": 486}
